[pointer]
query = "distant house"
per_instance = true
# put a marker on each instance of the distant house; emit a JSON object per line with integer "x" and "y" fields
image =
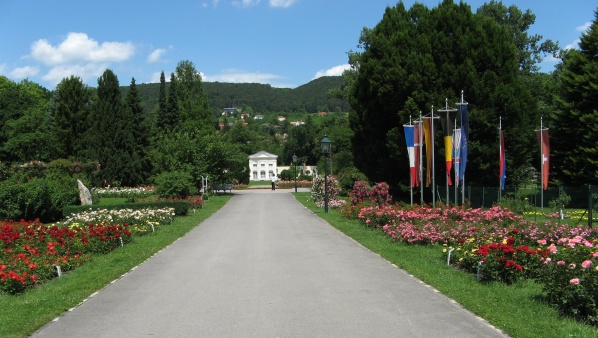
{"x": 281, "y": 118}
{"x": 262, "y": 166}
{"x": 244, "y": 115}
{"x": 297, "y": 123}
{"x": 229, "y": 111}
{"x": 258, "y": 117}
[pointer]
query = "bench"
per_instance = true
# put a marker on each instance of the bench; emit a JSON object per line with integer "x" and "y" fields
{"x": 223, "y": 188}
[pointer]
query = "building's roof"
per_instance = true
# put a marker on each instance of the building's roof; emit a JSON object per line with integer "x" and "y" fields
{"x": 263, "y": 155}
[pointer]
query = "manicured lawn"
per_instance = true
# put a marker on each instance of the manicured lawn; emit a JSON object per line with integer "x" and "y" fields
{"x": 34, "y": 308}
{"x": 516, "y": 309}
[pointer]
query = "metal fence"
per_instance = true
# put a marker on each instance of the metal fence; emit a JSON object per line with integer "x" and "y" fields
{"x": 584, "y": 197}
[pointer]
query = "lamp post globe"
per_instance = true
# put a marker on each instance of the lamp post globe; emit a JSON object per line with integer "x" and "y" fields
{"x": 295, "y": 165}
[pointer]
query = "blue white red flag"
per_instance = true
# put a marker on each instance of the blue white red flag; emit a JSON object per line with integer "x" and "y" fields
{"x": 410, "y": 140}
{"x": 464, "y": 117}
{"x": 457, "y": 153}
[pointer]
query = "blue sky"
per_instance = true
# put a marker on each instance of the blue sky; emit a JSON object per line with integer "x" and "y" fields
{"x": 284, "y": 43}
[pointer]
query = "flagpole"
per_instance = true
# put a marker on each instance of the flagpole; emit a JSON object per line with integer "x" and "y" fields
{"x": 462, "y": 176}
{"x": 411, "y": 177}
{"x": 455, "y": 162}
{"x": 433, "y": 167}
{"x": 447, "y": 173}
{"x": 542, "y": 163}
{"x": 421, "y": 160}
{"x": 499, "y": 159}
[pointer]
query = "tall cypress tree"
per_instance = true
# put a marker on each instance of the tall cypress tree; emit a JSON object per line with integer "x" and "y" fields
{"x": 71, "y": 107}
{"x": 162, "y": 104}
{"x": 111, "y": 140}
{"x": 574, "y": 140}
{"x": 172, "y": 116}
{"x": 141, "y": 130}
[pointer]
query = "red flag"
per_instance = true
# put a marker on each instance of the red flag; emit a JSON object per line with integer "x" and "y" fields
{"x": 428, "y": 140}
{"x": 417, "y": 144}
{"x": 544, "y": 143}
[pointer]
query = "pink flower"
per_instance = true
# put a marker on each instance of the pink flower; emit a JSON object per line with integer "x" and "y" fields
{"x": 560, "y": 263}
{"x": 572, "y": 266}
{"x": 574, "y": 281}
{"x": 586, "y": 264}
{"x": 595, "y": 254}
{"x": 542, "y": 241}
{"x": 552, "y": 248}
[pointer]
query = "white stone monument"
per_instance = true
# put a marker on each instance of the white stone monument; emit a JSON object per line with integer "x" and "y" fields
{"x": 84, "y": 193}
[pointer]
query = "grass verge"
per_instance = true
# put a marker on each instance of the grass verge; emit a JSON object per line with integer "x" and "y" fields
{"x": 516, "y": 309}
{"x": 21, "y": 315}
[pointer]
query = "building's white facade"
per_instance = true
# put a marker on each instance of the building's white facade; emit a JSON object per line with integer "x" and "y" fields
{"x": 262, "y": 165}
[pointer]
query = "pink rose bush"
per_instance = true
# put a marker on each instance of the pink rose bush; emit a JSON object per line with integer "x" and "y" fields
{"x": 317, "y": 192}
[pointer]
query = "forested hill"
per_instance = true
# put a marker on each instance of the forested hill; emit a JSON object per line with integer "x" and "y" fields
{"x": 260, "y": 98}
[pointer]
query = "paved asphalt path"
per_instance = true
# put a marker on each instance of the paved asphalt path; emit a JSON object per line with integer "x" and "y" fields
{"x": 264, "y": 266}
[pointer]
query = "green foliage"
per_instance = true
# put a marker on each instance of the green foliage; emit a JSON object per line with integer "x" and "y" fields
{"x": 24, "y": 122}
{"x": 573, "y": 125}
{"x": 111, "y": 136}
{"x": 39, "y": 197}
{"x": 71, "y": 107}
{"x": 416, "y": 58}
{"x": 518, "y": 203}
{"x": 560, "y": 202}
{"x": 174, "y": 184}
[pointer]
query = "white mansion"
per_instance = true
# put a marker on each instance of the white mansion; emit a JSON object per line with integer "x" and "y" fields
{"x": 262, "y": 165}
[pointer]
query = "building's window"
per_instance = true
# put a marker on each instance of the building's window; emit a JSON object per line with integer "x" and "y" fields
{"x": 263, "y": 164}
{"x": 263, "y": 174}
{"x": 270, "y": 164}
{"x": 255, "y": 164}
{"x": 255, "y": 175}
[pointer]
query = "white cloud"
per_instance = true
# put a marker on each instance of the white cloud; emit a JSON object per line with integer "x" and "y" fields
{"x": 573, "y": 45}
{"x": 85, "y": 72}
{"x": 245, "y": 3}
{"x": 78, "y": 47}
{"x": 282, "y": 3}
{"x": 334, "y": 71}
{"x": 156, "y": 55}
{"x": 24, "y": 72}
{"x": 584, "y": 28}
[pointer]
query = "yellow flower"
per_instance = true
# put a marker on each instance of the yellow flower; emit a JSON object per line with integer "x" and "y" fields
{"x": 443, "y": 250}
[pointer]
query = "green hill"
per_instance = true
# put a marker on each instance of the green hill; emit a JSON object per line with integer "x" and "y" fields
{"x": 262, "y": 98}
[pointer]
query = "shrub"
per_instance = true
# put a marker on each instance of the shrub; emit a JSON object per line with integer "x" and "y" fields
{"x": 570, "y": 278}
{"x": 317, "y": 192}
{"x": 174, "y": 184}
{"x": 39, "y": 197}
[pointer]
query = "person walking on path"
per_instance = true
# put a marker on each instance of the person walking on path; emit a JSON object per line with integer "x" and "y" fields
{"x": 273, "y": 178}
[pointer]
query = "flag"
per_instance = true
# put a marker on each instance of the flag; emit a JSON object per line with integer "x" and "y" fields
{"x": 502, "y": 171}
{"x": 428, "y": 140}
{"x": 457, "y": 153}
{"x": 544, "y": 143}
{"x": 464, "y": 117}
{"x": 409, "y": 138}
{"x": 417, "y": 143}
{"x": 447, "y": 119}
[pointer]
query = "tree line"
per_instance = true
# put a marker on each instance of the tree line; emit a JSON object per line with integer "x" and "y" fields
{"x": 413, "y": 59}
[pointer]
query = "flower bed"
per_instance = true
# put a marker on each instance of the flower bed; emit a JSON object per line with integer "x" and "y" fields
{"x": 31, "y": 251}
{"x": 498, "y": 246}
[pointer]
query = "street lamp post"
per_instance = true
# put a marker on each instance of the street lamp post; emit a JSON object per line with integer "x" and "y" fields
{"x": 295, "y": 165}
{"x": 325, "y": 143}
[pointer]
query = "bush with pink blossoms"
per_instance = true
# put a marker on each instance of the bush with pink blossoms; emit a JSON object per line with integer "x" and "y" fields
{"x": 317, "y": 192}
{"x": 376, "y": 195}
{"x": 570, "y": 278}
